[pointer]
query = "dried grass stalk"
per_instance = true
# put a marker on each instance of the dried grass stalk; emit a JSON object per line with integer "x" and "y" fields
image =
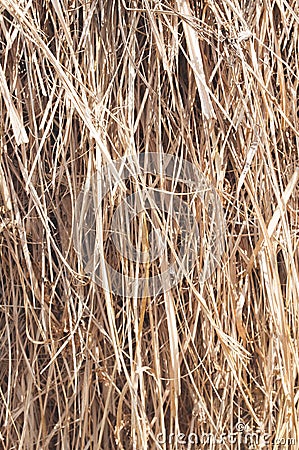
{"x": 85, "y": 83}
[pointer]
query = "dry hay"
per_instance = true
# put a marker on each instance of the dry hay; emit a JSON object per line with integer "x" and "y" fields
{"x": 83, "y": 83}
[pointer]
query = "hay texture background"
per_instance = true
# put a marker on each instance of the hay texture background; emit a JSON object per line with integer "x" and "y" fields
{"x": 87, "y": 82}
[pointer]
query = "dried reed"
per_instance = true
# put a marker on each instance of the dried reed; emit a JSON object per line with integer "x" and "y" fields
{"x": 87, "y": 82}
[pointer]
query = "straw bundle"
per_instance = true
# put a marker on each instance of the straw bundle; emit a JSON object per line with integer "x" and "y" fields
{"x": 85, "y": 83}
